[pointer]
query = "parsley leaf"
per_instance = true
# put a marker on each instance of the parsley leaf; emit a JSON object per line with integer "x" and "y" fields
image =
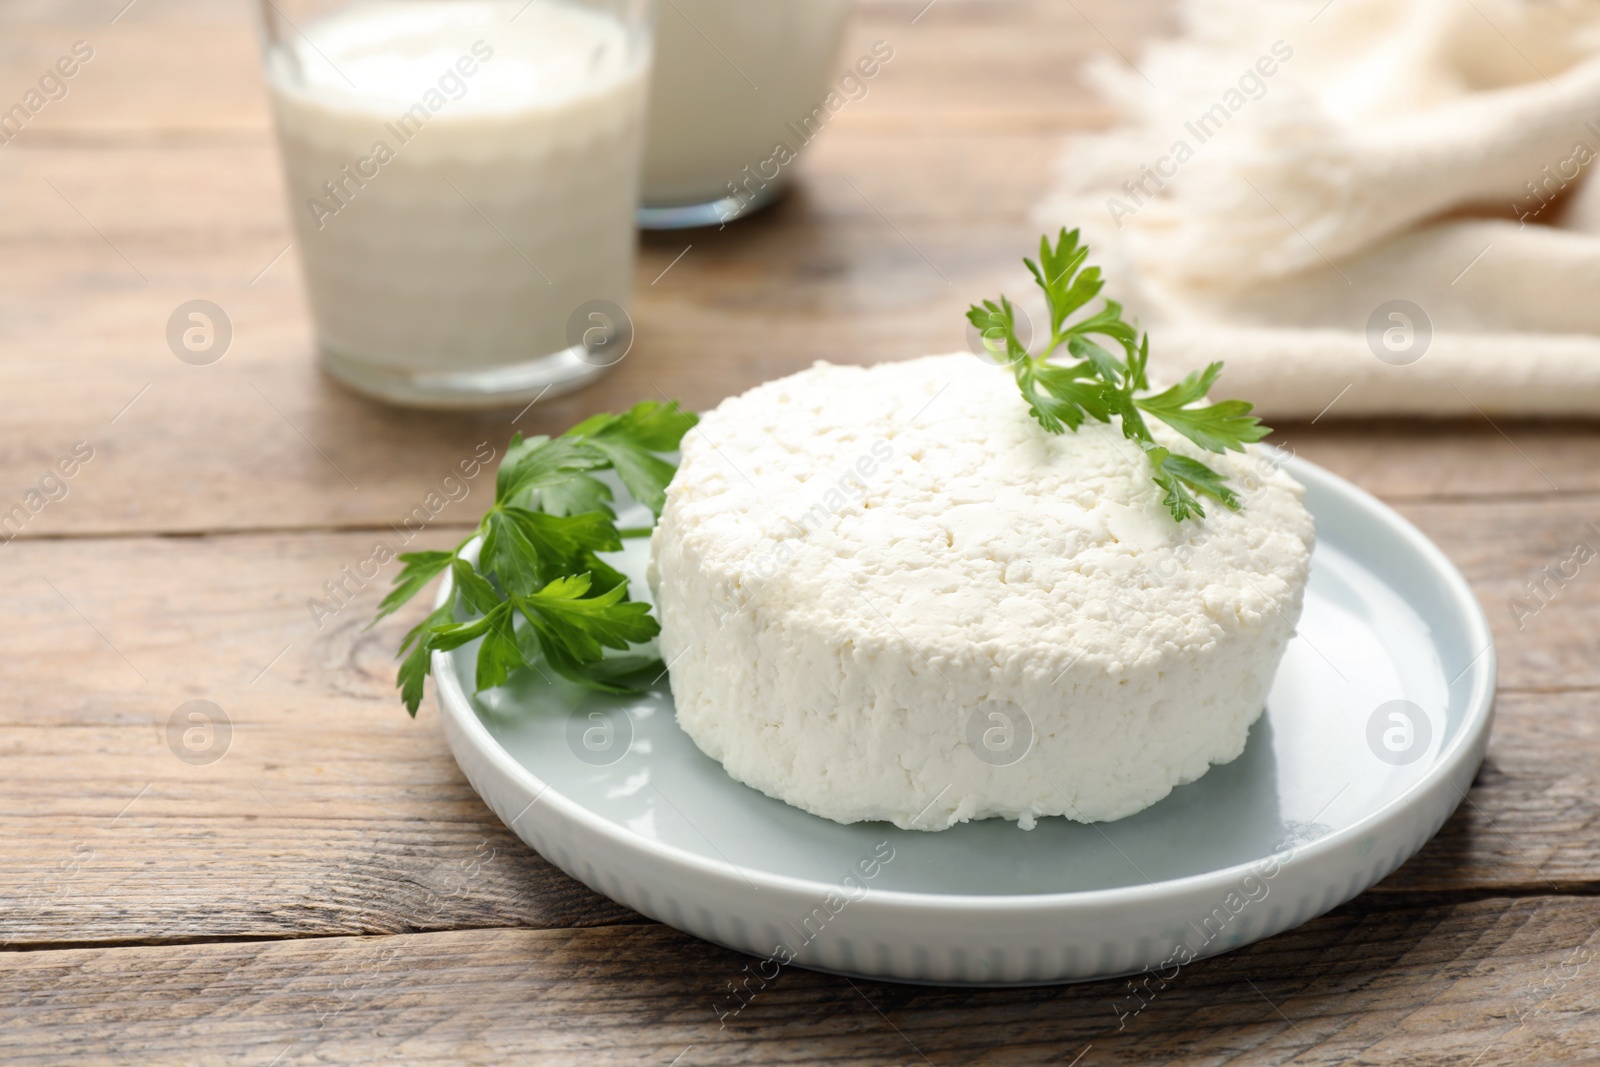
{"x": 1102, "y": 383}
{"x": 582, "y": 625}
{"x": 539, "y": 590}
{"x": 1182, "y": 477}
{"x": 1214, "y": 427}
{"x": 419, "y": 569}
{"x": 541, "y": 464}
{"x": 575, "y": 496}
{"x": 629, "y": 441}
{"x": 415, "y": 666}
{"x": 499, "y": 655}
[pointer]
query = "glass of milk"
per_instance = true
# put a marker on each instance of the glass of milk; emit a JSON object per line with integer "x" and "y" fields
{"x": 734, "y": 80}
{"x": 463, "y": 177}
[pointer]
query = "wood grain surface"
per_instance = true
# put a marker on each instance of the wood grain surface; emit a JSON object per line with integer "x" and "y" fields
{"x": 331, "y": 890}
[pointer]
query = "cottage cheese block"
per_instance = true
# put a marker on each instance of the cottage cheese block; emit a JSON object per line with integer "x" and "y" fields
{"x": 886, "y": 593}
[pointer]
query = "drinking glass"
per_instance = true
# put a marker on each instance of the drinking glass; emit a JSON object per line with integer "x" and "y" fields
{"x": 463, "y": 177}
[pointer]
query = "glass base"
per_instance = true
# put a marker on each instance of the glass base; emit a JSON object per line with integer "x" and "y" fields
{"x": 711, "y": 213}
{"x": 499, "y": 386}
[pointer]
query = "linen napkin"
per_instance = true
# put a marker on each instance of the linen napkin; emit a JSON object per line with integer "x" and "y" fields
{"x": 1365, "y": 207}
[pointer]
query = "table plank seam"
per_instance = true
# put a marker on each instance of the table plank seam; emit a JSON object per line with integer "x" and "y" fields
{"x": 1377, "y": 898}
{"x": 97, "y": 944}
{"x": 310, "y": 529}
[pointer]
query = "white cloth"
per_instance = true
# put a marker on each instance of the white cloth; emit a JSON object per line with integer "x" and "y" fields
{"x": 1382, "y": 205}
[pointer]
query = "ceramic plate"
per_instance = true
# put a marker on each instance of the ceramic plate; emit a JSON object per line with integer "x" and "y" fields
{"x": 1373, "y": 732}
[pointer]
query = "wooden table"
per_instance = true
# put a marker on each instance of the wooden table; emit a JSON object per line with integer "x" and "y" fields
{"x": 331, "y": 890}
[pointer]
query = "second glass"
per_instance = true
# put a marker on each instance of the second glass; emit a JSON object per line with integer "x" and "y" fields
{"x": 735, "y": 80}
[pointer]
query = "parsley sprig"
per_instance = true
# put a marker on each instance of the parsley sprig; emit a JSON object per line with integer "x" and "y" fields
{"x": 1099, "y": 383}
{"x": 538, "y": 588}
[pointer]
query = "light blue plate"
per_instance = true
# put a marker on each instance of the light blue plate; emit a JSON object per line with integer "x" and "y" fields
{"x": 1374, "y": 728}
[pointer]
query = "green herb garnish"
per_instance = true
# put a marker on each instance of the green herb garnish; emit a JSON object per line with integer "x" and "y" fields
{"x": 538, "y": 590}
{"x": 1099, "y": 384}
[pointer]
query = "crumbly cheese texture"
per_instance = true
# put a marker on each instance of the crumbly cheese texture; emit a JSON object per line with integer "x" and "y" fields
{"x": 886, "y": 593}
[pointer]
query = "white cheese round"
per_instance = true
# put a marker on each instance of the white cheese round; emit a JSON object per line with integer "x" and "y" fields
{"x": 886, "y": 593}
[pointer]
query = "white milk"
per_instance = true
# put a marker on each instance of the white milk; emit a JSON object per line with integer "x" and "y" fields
{"x": 460, "y": 183}
{"x": 733, "y": 78}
